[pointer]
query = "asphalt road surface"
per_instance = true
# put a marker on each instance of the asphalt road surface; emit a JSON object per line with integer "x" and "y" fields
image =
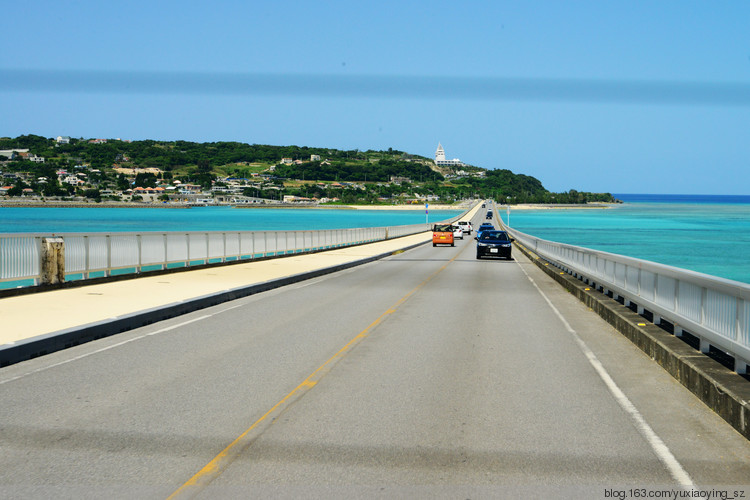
{"x": 429, "y": 374}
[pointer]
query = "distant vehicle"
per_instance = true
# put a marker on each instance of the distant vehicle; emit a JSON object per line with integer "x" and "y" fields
{"x": 483, "y": 205}
{"x": 442, "y": 234}
{"x": 485, "y": 226}
{"x": 493, "y": 243}
{"x": 458, "y": 232}
{"x": 489, "y": 214}
{"x": 466, "y": 226}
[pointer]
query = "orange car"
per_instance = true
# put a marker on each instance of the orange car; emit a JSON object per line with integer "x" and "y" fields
{"x": 442, "y": 234}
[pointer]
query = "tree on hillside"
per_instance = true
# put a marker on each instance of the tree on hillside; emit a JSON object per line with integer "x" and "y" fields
{"x": 145, "y": 179}
{"x": 34, "y": 143}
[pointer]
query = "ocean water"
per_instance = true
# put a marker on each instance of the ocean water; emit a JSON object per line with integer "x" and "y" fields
{"x": 707, "y": 234}
{"x": 82, "y": 220}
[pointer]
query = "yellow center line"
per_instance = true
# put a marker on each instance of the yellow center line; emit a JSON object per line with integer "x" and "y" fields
{"x": 215, "y": 467}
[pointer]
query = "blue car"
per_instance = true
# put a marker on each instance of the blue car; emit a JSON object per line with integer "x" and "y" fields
{"x": 493, "y": 243}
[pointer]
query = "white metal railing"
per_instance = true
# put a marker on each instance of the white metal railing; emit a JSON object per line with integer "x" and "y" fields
{"x": 715, "y": 310}
{"x": 19, "y": 256}
{"x": 89, "y": 255}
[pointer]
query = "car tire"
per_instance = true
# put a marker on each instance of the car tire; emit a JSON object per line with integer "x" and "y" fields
{"x": 479, "y": 256}
{"x": 434, "y": 244}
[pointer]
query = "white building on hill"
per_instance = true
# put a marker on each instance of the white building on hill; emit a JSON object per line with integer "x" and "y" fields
{"x": 442, "y": 162}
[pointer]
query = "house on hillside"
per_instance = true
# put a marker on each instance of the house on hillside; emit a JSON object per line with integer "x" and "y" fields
{"x": 73, "y": 180}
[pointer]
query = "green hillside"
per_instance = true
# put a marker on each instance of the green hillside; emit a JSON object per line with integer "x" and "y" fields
{"x": 295, "y": 170}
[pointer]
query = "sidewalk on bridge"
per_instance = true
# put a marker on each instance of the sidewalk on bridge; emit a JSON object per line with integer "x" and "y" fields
{"x": 49, "y": 313}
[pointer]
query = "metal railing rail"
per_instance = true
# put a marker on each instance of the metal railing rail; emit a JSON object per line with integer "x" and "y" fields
{"x": 20, "y": 256}
{"x": 88, "y": 255}
{"x": 715, "y": 310}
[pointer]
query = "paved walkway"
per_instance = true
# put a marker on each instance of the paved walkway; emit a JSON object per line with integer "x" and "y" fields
{"x": 28, "y": 316}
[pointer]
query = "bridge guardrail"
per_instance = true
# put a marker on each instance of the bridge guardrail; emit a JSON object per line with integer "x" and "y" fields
{"x": 92, "y": 255}
{"x": 715, "y": 310}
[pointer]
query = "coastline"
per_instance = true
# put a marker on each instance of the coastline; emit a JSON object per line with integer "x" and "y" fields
{"x": 459, "y": 206}
{"x": 432, "y": 207}
{"x": 120, "y": 204}
{"x": 552, "y": 206}
{"x": 78, "y": 204}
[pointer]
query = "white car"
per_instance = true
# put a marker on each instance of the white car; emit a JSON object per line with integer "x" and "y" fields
{"x": 458, "y": 232}
{"x": 466, "y": 226}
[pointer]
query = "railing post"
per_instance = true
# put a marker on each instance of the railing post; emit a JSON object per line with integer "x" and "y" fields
{"x": 740, "y": 365}
{"x": 705, "y": 346}
{"x": 165, "y": 264}
{"x": 87, "y": 252}
{"x": 108, "y": 271}
{"x": 140, "y": 253}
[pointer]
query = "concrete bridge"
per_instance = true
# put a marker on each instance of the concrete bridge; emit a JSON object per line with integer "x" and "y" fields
{"x": 386, "y": 370}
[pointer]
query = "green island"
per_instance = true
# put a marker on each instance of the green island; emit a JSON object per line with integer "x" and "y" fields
{"x": 35, "y": 170}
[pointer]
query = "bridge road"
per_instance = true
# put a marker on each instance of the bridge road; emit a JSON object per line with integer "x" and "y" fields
{"x": 426, "y": 374}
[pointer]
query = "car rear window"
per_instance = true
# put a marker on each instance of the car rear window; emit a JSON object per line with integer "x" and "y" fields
{"x": 495, "y": 235}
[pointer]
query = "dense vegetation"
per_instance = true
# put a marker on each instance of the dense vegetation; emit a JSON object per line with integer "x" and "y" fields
{"x": 380, "y": 171}
{"x": 380, "y": 174}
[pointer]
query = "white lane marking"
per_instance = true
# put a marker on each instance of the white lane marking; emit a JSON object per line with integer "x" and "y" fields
{"x": 38, "y": 370}
{"x": 660, "y": 448}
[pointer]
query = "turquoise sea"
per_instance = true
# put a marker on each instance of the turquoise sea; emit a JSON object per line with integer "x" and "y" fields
{"x": 708, "y": 234}
{"x": 84, "y": 220}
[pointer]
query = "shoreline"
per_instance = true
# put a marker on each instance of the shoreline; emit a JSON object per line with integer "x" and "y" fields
{"x": 435, "y": 207}
{"x": 79, "y": 204}
{"x": 561, "y": 206}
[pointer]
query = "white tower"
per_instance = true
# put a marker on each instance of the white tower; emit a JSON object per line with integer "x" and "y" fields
{"x": 439, "y": 154}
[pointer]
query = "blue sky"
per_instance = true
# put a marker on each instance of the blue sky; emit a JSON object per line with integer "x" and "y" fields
{"x": 623, "y": 97}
